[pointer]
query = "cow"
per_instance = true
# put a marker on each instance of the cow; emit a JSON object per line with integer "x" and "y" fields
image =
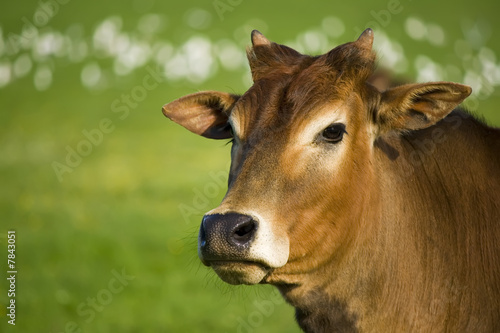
{"x": 372, "y": 207}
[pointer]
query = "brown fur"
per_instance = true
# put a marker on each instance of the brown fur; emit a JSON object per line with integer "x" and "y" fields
{"x": 401, "y": 234}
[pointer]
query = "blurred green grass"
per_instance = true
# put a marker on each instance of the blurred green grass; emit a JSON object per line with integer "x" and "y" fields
{"x": 119, "y": 209}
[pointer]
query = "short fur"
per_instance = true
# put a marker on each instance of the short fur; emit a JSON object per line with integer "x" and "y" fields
{"x": 399, "y": 235}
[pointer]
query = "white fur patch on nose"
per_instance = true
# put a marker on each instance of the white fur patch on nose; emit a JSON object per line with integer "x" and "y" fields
{"x": 267, "y": 247}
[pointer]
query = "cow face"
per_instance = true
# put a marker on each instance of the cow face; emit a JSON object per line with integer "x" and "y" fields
{"x": 302, "y": 156}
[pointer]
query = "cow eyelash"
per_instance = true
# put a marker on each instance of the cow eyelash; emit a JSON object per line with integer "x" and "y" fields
{"x": 230, "y": 128}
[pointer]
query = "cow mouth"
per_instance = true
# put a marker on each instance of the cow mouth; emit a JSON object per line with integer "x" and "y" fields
{"x": 239, "y": 272}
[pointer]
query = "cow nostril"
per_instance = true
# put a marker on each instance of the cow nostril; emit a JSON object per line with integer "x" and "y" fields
{"x": 226, "y": 232}
{"x": 244, "y": 232}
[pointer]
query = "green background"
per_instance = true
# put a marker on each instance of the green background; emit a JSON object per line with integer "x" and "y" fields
{"x": 133, "y": 204}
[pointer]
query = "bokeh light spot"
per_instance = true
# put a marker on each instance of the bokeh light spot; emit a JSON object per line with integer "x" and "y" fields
{"x": 5, "y": 74}
{"x": 198, "y": 18}
{"x": 91, "y": 74}
{"x": 22, "y": 65}
{"x": 333, "y": 26}
{"x": 415, "y": 28}
{"x": 43, "y": 78}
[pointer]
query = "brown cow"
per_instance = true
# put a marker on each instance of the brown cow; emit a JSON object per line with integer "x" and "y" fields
{"x": 372, "y": 209}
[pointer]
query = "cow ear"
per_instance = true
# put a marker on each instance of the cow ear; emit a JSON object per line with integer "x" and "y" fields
{"x": 416, "y": 106}
{"x": 205, "y": 113}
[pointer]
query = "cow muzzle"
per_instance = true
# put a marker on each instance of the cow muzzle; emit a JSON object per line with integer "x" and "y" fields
{"x": 239, "y": 248}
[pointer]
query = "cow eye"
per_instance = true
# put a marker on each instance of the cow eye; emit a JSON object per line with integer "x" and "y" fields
{"x": 333, "y": 133}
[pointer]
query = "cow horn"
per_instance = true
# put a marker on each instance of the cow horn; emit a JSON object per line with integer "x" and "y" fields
{"x": 365, "y": 40}
{"x": 258, "y": 39}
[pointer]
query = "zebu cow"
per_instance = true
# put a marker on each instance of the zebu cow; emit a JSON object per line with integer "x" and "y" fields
{"x": 371, "y": 209}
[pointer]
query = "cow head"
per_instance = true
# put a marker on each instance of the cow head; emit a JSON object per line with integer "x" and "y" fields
{"x": 302, "y": 156}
